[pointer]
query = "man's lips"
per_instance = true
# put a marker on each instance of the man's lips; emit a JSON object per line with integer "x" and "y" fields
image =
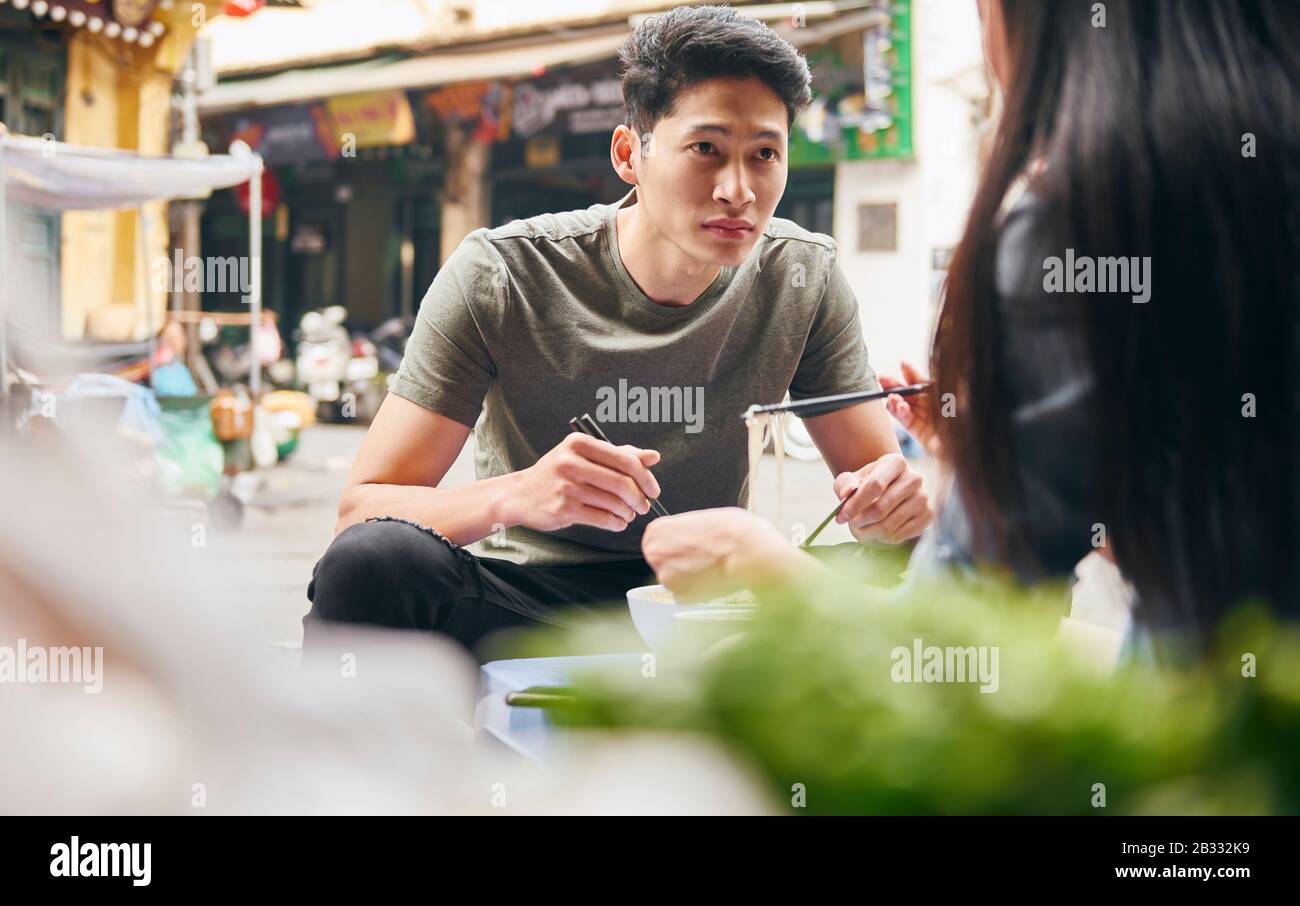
{"x": 729, "y": 228}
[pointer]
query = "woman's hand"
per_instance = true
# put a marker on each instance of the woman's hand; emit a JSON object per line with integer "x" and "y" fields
{"x": 915, "y": 413}
{"x": 716, "y": 551}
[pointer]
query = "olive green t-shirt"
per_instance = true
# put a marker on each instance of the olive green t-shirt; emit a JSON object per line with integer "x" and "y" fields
{"x": 535, "y": 322}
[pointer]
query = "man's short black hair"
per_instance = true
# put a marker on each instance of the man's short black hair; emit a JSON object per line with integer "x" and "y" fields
{"x": 687, "y": 45}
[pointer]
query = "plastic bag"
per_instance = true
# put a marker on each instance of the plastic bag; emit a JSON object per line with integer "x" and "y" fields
{"x": 190, "y": 458}
{"x": 174, "y": 379}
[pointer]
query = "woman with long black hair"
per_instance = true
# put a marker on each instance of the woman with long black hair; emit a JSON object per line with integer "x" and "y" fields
{"x": 1161, "y": 414}
{"x": 1116, "y": 353}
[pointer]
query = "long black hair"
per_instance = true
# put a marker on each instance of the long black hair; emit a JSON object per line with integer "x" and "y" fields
{"x": 1170, "y": 131}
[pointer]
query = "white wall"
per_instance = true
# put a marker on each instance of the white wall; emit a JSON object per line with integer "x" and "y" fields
{"x": 933, "y": 191}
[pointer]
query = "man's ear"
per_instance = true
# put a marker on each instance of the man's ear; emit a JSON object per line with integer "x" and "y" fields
{"x": 623, "y": 147}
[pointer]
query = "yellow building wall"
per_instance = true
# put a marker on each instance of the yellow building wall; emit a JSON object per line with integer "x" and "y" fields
{"x": 119, "y": 96}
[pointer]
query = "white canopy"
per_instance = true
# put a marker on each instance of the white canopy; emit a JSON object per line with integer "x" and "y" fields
{"x": 66, "y": 177}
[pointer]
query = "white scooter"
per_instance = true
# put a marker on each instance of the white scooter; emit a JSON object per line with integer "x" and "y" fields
{"x": 336, "y": 371}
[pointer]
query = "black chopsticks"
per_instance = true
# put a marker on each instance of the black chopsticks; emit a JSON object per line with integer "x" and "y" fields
{"x": 825, "y": 522}
{"x": 820, "y": 405}
{"x": 585, "y": 424}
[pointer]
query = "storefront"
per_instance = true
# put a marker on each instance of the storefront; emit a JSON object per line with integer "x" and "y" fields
{"x": 352, "y": 204}
{"x": 371, "y": 191}
{"x": 33, "y": 74}
{"x": 555, "y": 156}
{"x": 97, "y": 74}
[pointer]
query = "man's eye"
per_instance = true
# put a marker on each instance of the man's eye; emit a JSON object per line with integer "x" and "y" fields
{"x": 769, "y": 154}
{"x": 703, "y": 147}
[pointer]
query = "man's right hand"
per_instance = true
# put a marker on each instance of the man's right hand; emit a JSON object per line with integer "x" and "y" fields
{"x": 583, "y": 481}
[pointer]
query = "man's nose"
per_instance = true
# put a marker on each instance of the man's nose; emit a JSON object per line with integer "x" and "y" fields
{"x": 733, "y": 190}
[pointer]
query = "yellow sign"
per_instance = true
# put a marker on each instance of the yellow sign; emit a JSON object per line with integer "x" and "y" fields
{"x": 373, "y": 120}
{"x": 542, "y": 151}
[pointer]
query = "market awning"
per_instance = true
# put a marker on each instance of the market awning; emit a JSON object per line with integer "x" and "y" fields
{"x": 67, "y": 177}
{"x": 438, "y": 68}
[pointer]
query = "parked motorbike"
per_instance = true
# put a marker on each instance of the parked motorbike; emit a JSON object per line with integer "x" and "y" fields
{"x": 226, "y": 352}
{"x": 390, "y": 345}
{"x": 337, "y": 370}
{"x": 390, "y": 341}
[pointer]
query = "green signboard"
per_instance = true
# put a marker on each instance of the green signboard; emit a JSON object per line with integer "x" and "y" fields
{"x": 841, "y": 123}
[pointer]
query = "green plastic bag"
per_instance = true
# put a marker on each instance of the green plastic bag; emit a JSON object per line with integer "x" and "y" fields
{"x": 190, "y": 460}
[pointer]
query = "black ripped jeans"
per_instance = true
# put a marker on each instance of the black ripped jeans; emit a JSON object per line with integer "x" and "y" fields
{"x": 394, "y": 573}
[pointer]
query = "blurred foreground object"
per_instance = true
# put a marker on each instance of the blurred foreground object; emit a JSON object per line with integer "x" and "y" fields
{"x": 185, "y": 717}
{"x": 852, "y": 696}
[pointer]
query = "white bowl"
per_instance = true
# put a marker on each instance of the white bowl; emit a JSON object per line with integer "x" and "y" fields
{"x": 710, "y": 626}
{"x": 654, "y": 610}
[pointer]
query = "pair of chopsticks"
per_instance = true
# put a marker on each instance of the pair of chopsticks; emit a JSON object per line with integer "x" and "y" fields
{"x": 820, "y": 405}
{"x": 825, "y": 522}
{"x": 585, "y": 424}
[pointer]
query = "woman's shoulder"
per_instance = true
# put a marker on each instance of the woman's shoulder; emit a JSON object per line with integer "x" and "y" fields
{"x": 1030, "y": 242}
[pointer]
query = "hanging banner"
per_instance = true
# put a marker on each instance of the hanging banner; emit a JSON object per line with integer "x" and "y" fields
{"x": 589, "y": 100}
{"x": 487, "y": 104}
{"x": 457, "y": 103}
{"x": 281, "y": 135}
{"x": 375, "y": 119}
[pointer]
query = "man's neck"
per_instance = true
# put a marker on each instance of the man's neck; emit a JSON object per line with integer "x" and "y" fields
{"x": 662, "y": 270}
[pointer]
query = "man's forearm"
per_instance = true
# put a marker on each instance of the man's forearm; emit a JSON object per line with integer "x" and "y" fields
{"x": 850, "y": 438}
{"x": 463, "y": 514}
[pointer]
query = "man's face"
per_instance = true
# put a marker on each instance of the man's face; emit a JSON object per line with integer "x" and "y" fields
{"x": 712, "y": 173}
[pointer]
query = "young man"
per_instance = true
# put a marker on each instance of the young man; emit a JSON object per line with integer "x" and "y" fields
{"x": 665, "y": 316}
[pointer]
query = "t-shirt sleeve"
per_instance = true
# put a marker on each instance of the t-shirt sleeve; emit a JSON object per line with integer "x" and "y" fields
{"x": 834, "y": 359}
{"x": 447, "y": 366}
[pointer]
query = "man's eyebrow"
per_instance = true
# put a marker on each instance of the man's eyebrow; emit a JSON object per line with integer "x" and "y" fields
{"x": 718, "y": 129}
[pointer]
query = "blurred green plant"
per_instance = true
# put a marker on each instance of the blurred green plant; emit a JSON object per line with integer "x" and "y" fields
{"x": 807, "y": 696}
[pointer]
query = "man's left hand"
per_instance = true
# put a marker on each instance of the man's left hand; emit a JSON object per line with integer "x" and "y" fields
{"x": 886, "y": 501}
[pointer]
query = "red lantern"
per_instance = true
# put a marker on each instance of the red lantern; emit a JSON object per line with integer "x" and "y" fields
{"x": 270, "y": 194}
